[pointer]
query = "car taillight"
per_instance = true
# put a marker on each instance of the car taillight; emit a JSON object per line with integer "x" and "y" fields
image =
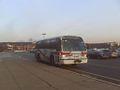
{"x": 83, "y": 53}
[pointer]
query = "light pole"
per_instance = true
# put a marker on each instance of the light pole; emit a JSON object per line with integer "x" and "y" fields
{"x": 43, "y": 34}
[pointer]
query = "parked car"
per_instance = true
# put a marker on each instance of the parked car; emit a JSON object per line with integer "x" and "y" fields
{"x": 114, "y": 53}
{"x": 99, "y": 53}
{"x": 118, "y": 51}
{"x": 105, "y": 53}
{"x": 91, "y": 52}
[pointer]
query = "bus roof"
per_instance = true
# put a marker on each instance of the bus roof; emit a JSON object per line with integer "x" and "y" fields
{"x": 70, "y": 37}
{"x": 63, "y": 37}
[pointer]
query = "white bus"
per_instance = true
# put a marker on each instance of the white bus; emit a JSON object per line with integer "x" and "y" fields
{"x": 62, "y": 50}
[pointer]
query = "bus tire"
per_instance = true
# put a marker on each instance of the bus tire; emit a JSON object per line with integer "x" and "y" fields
{"x": 38, "y": 57}
{"x": 52, "y": 60}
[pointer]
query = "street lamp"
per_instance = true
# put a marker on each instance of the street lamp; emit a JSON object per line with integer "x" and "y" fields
{"x": 43, "y": 34}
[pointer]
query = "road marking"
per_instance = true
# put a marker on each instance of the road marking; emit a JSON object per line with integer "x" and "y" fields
{"x": 97, "y": 77}
{"x": 108, "y": 79}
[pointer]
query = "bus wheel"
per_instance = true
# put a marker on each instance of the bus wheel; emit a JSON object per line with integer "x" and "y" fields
{"x": 38, "y": 57}
{"x": 52, "y": 60}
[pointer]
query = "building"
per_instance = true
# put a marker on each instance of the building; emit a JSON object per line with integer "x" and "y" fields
{"x": 103, "y": 45}
{"x": 13, "y": 46}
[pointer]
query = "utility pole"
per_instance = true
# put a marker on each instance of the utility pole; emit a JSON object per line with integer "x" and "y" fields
{"x": 43, "y": 34}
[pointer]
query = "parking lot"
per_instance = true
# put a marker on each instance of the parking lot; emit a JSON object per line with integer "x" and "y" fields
{"x": 20, "y": 71}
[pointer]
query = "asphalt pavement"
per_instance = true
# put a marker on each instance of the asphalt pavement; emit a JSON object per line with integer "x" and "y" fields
{"x": 20, "y": 71}
{"x": 106, "y": 67}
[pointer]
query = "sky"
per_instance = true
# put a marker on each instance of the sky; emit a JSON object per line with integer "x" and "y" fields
{"x": 93, "y": 20}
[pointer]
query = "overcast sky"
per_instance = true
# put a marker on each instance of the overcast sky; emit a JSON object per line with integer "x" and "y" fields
{"x": 94, "y": 20}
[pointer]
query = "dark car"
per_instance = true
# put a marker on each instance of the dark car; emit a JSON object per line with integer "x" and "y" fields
{"x": 104, "y": 53}
{"x": 91, "y": 53}
{"x": 99, "y": 53}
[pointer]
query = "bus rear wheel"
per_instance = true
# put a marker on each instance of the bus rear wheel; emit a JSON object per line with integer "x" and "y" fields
{"x": 52, "y": 60}
{"x": 38, "y": 57}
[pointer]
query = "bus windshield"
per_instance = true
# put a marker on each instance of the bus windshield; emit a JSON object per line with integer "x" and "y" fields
{"x": 73, "y": 45}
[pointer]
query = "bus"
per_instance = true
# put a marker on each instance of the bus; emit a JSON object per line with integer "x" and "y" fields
{"x": 62, "y": 50}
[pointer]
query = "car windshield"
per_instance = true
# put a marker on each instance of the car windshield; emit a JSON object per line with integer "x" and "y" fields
{"x": 73, "y": 45}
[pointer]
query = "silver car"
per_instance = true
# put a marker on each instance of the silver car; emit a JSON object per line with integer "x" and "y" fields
{"x": 114, "y": 54}
{"x": 118, "y": 51}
